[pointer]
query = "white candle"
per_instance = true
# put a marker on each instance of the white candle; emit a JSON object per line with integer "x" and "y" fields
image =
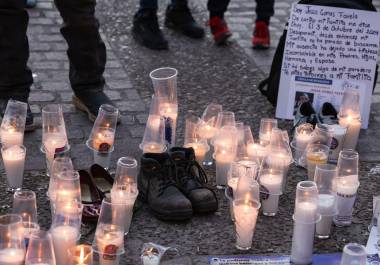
{"x": 12, "y": 256}
{"x": 108, "y": 244}
{"x": 346, "y": 188}
{"x": 153, "y": 148}
{"x": 14, "y": 160}
{"x": 314, "y": 159}
{"x": 11, "y": 137}
{"x": 104, "y": 139}
{"x": 53, "y": 142}
{"x": 353, "y": 129}
{"x": 265, "y": 137}
{"x": 302, "y": 140}
{"x": 223, "y": 166}
{"x": 206, "y": 131}
{"x": 64, "y": 237}
{"x": 326, "y": 207}
{"x": 337, "y": 141}
{"x": 126, "y": 201}
{"x": 256, "y": 151}
{"x": 272, "y": 185}
{"x": 200, "y": 150}
{"x": 245, "y": 222}
{"x": 303, "y": 233}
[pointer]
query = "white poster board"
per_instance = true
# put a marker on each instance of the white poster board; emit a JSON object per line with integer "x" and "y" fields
{"x": 328, "y": 49}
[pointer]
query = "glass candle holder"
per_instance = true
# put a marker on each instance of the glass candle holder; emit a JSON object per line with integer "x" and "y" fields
{"x": 12, "y": 247}
{"x": 266, "y": 126}
{"x": 302, "y": 137}
{"x": 316, "y": 154}
{"x": 14, "y": 161}
{"x": 245, "y": 212}
{"x": 347, "y": 184}
{"x": 225, "y": 118}
{"x": 354, "y": 254}
{"x": 305, "y": 217}
{"x": 126, "y": 171}
{"x": 109, "y": 236}
{"x": 40, "y": 240}
{"x": 13, "y": 123}
{"x": 270, "y": 190}
{"x": 339, "y": 134}
{"x": 325, "y": 176}
{"x": 164, "y": 82}
{"x": 25, "y": 205}
{"x": 154, "y": 135}
{"x": 81, "y": 255}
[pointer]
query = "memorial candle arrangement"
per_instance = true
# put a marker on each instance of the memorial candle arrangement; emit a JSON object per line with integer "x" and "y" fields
{"x": 347, "y": 184}
{"x": 305, "y": 217}
{"x": 13, "y": 123}
{"x": 12, "y": 247}
{"x": 164, "y": 82}
{"x": 102, "y": 137}
{"x": 349, "y": 116}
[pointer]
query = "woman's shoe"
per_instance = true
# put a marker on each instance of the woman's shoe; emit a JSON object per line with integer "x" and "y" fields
{"x": 102, "y": 179}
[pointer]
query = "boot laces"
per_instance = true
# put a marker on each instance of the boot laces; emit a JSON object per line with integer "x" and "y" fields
{"x": 165, "y": 178}
{"x": 189, "y": 173}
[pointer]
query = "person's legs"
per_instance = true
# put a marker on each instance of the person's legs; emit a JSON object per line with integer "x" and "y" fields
{"x": 87, "y": 54}
{"x": 218, "y": 26}
{"x": 148, "y": 4}
{"x": 261, "y": 35}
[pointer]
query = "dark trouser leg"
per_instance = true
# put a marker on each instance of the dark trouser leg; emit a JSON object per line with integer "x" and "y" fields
{"x": 87, "y": 52}
{"x": 217, "y": 7}
{"x": 264, "y": 9}
{"x": 148, "y": 4}
{"x": 15, "y": 76}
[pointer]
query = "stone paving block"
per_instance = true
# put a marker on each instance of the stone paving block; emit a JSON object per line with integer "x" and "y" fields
{"x": 131, "y": 105}
{"x": 142, "y": 118}
{"x": 68, "y": 108}
{"x": 115, "y": 73}
{"x": 44, "y": 5}
{"x": 119, "y": 84}
{"x": 59, "y": 56}
{"x": 137, "y": 131}
{"x": 127, "y": 119}
{"x": 40, "y": 21}
{"x": 39, "y": 47}
{"x": 48, "y": 65}
{"x": 132, "y": 93}
{"x": 113, "y": 94}
{"x": 55, "y": 86}
{"x": 49, "y": 37}
{"x": 75, "y": 133}
{"x": 113, "y": 64}
{"x": 41, "y": 97}
{"x": 36, "y": 109}
{"x": 80, "y": 119}
{"x": 66, "y": 96}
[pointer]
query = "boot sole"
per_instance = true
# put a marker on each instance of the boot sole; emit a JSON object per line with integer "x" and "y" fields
{"x": 147, "y": 44}
{"x": 78, "y": 103}
{"x": 172, "y": 26}
{"x": 177, "y": 216}
{"x": 205, "y": 208}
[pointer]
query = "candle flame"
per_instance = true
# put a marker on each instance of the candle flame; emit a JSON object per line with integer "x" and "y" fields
{"x": 81, "y": 255}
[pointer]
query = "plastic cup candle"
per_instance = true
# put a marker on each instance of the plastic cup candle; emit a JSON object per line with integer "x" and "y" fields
{"x": 223, "y": 165}
{"x": 353, "y": 130}
{"x": 64, "y": 237}
{"x": 337, "y": 141}
{"x": 12, "y": 256}
{"x": 305, "y": 216}
{"x": 271, "y": 189}
{"x": 316, "y": 156}
{"x": 346, "y": 188}
{"x": 327, "y": 209}
{"x": 245, "y": 212}
{"x": 206, "y": 131}
{"x": 153, "y": 148}
{"x": 53, "y": 142}
{"x": 104, "y": 139}
{"x": 151, "y": 256}
{"x": 256, "y": 151}
{"x": 9, "y": 136}
{"x": 200, "y": 149}
{"x": 14, "y": 160}
{"x": 124, "y": 200}
{"x": 109, "y": 242}
{"x": 303, "y": 135}
{"x": 81, "y": 255}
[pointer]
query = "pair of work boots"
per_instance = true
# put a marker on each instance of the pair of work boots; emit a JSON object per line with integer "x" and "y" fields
{"x": 174, "y": 185}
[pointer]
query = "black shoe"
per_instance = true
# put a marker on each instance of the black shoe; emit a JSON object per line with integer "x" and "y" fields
{"x": 30, "y": 124}
{"x": 157, "y": 187}
{"x": 191, "y": 180}
{"x": 328, "y": 114}
{"x": 147, "y": 31}
{"x": 305, "y": 114}
{"x": 89, "y": 101}
{"x": 180, "y": 18}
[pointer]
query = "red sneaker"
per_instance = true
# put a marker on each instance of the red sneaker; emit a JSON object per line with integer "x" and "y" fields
{"x": 261, "y": 36}
{"x": 219, "y": 30}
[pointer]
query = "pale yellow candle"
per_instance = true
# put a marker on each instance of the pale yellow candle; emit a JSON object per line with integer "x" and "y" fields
{"x": 353, "y": 130}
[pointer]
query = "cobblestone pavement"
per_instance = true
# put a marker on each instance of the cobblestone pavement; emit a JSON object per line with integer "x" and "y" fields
{"x": 227, "y": 74}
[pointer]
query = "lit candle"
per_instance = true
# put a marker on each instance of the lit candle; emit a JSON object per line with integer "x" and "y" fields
{"x": 303, "y": 138}
{"x": 200, "y": 150}
{"x": 265, "y": 136}
{"x": 124, "y": 205}
{"x": 108, "y": 242}
{"x": 326, "y": 208}
{"x": 53, "y": 142}
{"x": 11, "y": 137}
{"x": 256, "y": 151}
{"x": 271, "y": 184}
{"x": 245, "y": 223}
{"x": 153, "y": 148}
{"x": 346, "y": 188}
{"x": 104, "y": 139}
{"x": 337, "y": 141}
{"x": 353, "y": 130}
{"x": 12, "y": 256}
{"x": 14, "y": 160}
{"x": 206, "y": 131}
{"x": 223, "y": 166}
{"x": 303, "y": 233}
{"x": 81, "y": 255}
{"x": 64, "y": 237}
{"x": 314, "y": 159}
{"x": 151, "y": 256}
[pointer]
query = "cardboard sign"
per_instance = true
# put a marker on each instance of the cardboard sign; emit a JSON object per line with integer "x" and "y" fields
{"x": 332, "y": 48}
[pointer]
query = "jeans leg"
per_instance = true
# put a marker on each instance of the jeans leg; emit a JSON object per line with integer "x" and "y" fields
{"x": 148, "y": 4}
{"x": 87, "y": 52}
{"x": 264, "y": 9}
{"x": 15, "y": 77}
{"x": 217, "y": 7}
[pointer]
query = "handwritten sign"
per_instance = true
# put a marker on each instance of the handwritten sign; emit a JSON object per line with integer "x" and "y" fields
{"x": 337, "y": 45}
